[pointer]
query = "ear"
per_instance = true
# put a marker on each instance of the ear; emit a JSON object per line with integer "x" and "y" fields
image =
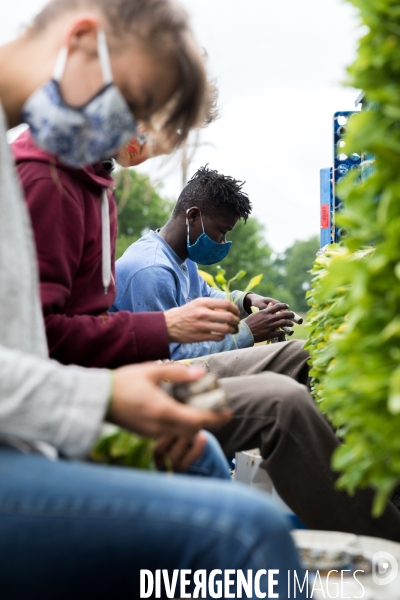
{"x": 82, "y": 34}
{"x": 193, "y": 215}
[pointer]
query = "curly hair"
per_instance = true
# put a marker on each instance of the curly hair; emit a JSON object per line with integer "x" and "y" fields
{"x": 214, "y": 194}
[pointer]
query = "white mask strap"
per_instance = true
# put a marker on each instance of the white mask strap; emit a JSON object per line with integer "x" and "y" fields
{"x": 202, "y": 224}
{"x": 106, "y": 241}
{"x": 187, "y": 227}
{"x": 187, "y": 223}
{"x": 61, "y": 62}
{"x": 104, "y": 58}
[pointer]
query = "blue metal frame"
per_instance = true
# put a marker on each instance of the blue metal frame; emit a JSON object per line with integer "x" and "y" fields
{"x": 342, "y": 162}
{"x": 330, "y": 178}
{"x": 327, "y": 234}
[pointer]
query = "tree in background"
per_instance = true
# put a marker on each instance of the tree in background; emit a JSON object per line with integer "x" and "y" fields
{"x": 286, "y": 277}
{"x": 140, "y": 207}
{"x": 295, "y": 264}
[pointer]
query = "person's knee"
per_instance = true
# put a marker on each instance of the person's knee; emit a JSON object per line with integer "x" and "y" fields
{"x": 265, "y": 530}
{"x": 212, "y": 462}
{"x": 257, "y": 514}
{"x": 297, "y": 347}
{"x": 292, "y": 402}
{"x": 212, "y": 446}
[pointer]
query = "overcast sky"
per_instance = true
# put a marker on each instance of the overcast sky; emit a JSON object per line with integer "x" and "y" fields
{"x": 279, "y": 67}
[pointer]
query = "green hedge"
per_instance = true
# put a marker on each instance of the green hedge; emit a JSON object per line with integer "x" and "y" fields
{"x": 357, "y": 359}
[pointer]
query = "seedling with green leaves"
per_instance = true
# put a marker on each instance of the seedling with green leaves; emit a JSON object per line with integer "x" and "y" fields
{"x": 225, "y": 285}
{"x": 121, "y": 447}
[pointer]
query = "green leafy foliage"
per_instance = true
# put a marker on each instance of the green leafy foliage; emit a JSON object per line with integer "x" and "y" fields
{"x": 225, "y": 284}
{"x": 359, "y": 371}
{"x": 295, "y": 264}
{"x": 140, "y": 208}
{"x": 329, "y": 300}
{"x": 121, "y": 447}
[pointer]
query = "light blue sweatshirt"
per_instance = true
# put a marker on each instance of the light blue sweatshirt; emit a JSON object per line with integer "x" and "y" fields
{"x": 151, "y": 277}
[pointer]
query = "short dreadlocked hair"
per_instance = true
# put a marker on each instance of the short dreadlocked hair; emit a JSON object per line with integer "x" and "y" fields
{"x": 214, "y": 194}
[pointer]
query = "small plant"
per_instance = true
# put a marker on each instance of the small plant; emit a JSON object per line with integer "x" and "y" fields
{"x": 121, "y": 447}
{"x": 225, "y": 285}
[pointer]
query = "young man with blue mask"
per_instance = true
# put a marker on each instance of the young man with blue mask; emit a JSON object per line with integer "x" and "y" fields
{"x": 159, "y": 271}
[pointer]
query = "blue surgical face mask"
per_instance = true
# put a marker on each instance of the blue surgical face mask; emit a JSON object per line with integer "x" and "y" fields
{"x": 82, "y": 135}
{"x": 205, "y": 251}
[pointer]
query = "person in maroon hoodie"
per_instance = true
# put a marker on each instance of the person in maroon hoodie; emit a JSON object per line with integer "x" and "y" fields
{"x": 74, "y": 218}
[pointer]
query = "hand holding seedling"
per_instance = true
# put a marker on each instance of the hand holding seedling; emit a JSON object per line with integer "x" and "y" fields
{"x": 140, "y": 405}
{"x": 202, "y": 319}
{"x": 120, "y": 446}
{"x": 266, "y": 324}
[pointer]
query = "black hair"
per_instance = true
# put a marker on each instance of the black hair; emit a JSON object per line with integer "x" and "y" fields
{"x": 214, "y": 194}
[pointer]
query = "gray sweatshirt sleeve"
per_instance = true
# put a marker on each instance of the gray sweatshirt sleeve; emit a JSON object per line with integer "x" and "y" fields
{"x": 43, "y": 400}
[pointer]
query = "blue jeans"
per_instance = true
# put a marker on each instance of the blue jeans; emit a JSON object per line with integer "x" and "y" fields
{"x": 212, "y": 463}
{"x": 78, "y": 530}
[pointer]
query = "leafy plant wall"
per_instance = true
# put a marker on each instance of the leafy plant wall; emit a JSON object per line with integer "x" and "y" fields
{"x": 355, "y": 338}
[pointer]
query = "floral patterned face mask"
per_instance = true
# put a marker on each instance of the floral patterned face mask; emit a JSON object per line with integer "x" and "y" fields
{"x": 82, "y": 135}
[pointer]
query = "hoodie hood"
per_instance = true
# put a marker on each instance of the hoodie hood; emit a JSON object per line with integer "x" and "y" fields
{"x": 24, "y": 149}
{"x": 95, "y": 177}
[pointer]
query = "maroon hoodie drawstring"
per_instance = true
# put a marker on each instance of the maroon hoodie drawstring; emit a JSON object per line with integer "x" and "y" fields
{"x": 106, "y": 241}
